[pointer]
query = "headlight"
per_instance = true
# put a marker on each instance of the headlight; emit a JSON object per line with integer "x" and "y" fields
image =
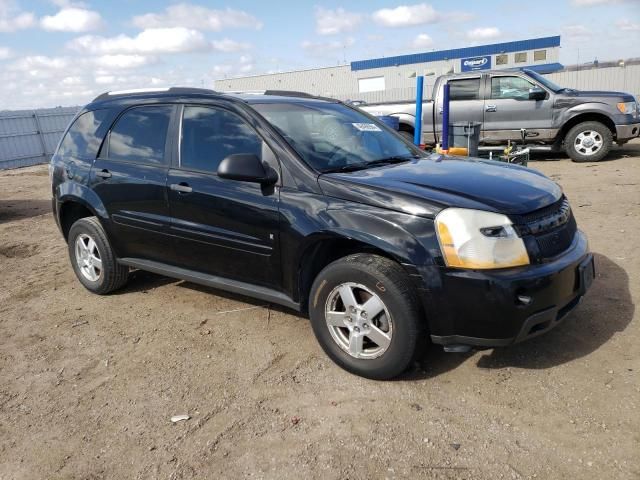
{"x": 627, "y": 107}
{"x": 478, "y": 239}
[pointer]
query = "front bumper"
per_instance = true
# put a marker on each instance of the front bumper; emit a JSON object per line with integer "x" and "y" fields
{"x": 627, "y": 132}
{"x": 482, "y": 308}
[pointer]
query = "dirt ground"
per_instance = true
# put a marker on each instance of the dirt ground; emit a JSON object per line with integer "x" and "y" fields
{"x": 88, "y": 384}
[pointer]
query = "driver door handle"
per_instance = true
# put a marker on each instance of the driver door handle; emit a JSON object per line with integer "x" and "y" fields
{"x": 181, "y": 187}
{"x": 491, "y": 108}
{"x": 104, "y": 173}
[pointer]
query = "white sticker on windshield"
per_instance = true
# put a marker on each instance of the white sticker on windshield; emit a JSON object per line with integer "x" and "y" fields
{"x": 367, "y": 127}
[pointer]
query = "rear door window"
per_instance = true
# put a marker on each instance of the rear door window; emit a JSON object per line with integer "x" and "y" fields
{"x": 464, "y": 89}
{"x": 140, "y": 135}
{"x": 81, "y": 140}
{"x": 211, "y": 134}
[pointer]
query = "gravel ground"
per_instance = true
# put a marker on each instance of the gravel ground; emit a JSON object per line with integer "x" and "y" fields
{"x": 88, "y": 384}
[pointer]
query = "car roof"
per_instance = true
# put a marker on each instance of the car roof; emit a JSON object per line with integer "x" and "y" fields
{"x": 257, "y": 96}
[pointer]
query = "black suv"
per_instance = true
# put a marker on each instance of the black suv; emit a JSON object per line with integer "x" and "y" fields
{"x": 313, "y": 204}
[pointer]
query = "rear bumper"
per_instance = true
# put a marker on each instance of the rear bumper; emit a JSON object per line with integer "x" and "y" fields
{"x": 627, "y": 132}
{"x": 483, "y": 309}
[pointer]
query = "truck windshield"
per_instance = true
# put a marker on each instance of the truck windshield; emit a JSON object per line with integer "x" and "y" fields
{"x": 544, "y": 81}
{"x": 332, "y": 137}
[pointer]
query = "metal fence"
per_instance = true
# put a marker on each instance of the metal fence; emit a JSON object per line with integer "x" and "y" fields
{"x": 29, "y": 137}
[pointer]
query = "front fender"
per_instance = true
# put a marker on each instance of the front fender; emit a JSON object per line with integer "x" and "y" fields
{"x": 565, "y": 115}
{"x": 392, "y": 232}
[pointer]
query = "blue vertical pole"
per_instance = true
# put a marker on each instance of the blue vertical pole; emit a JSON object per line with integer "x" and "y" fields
{"x": 417, "y": 131}
{"x": 445, "y": 119}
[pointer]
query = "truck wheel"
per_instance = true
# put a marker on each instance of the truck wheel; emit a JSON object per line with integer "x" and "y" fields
{"x": 366, "y": 315}
{"x": 407, "y": 135}
{"x": 93, "y": 259}
{"x": 588, "y": 142}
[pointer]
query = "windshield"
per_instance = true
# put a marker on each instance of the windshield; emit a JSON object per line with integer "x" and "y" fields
{"x": 333, "y": 137}
{"x": 544, "y": 81}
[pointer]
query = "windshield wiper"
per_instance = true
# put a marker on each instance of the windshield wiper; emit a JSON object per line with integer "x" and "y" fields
{"x": 374, "y": 163}
{"x": 391, "y": 160}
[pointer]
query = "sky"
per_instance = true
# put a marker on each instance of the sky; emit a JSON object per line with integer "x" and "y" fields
{"x": 65, "y": 52}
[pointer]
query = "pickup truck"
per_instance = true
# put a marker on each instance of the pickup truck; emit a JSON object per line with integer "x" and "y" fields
{"x": 582, "y": 123}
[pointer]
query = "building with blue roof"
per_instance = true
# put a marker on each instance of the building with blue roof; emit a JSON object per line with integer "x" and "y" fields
{"x": 393, "y": 78}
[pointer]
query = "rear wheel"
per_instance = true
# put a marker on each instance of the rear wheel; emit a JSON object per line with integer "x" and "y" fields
{"x": 588, "y": 142}
{"x": 366, "y": 315}
{"x": 407, "y": 135}
{"x": 93, "y": 259}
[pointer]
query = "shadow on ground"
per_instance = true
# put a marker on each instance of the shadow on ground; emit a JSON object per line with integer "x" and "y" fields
{"x": 606, "y": 310}
{"x": 142, "y": 281}
{"x": 616, "y": 153}
{"x": 17, "y": 209}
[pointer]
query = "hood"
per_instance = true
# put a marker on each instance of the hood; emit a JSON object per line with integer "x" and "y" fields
{"x": 427, "y": 185}
{"x": 597, "y": 94}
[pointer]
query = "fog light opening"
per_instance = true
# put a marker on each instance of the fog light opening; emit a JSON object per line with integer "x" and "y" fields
{"x": 525, "y": 300}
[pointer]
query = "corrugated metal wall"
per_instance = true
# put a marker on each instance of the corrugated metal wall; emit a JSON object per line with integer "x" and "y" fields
{"x": 28, "y": 137}
{"x": 622, "y": 79}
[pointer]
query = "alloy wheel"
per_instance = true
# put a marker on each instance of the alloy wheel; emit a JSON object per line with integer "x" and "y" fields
{"x": 358, "y": 320}
{"x": 88, "y": 257}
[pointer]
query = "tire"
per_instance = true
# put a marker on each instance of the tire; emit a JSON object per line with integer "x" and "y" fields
{"x": 399, "y": 319}
{"x": 588, "y": 142}
{"x": 407, "y": 135}
{"x": 93, "y": 259}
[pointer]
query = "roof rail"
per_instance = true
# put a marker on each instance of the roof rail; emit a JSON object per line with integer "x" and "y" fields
{"x": 144, "y": 91}
{"x": 289, "y": 93}
{"x": 281, "y": 93}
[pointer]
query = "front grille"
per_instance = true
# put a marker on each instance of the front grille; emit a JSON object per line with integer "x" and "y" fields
{"x": 548, "y": 231}
{"x": 557, "y": 240}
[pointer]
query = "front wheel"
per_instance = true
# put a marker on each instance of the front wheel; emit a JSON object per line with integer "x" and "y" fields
{"x": 366, "y": 315}
{"x": 588, "y": 142}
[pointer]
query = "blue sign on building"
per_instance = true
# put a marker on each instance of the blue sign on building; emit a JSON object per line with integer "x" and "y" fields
{"x": 475, "y": 63}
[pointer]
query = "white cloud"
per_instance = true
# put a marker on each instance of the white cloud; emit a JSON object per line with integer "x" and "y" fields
{"x": 422, "y": 40}
{"x": 590, "y": 3}
{"x": 483, "y": 34}
{"x": 406, "y": 15}
{"x": 124, "y": 61}
{"x": 226, "y": 45}
{"x": 577, "y": 32}
{"x": 243, "y": 67}
{"x": 628, "y": 26}
{"x": 72, "y": 80}
{"x": 5, "y": 52}
{"x": 333, "y": 22}
{"x": 195, "y": 16}
{"x": 152, "y": 41}
{"x": 72, "y": 19}
{"x": 320, "y": 48}
{"x": 13, "y": 19}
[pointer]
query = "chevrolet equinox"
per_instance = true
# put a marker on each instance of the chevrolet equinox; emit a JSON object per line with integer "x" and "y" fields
{"x": 313, "y": 204}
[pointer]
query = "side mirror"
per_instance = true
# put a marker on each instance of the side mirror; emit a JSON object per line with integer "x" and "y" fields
{"x": 537, "y": 93}
{"x": 247, "y": 167}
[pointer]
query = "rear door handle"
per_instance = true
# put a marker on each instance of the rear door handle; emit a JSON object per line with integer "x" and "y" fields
{"x": 181, "y": 187}
{"x": 104, "y": 173}
{"x": 491, "y": 108}
{"x": 441, "y": 110}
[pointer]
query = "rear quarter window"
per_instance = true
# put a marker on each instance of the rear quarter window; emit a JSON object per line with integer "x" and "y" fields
{"x": 81, "y": 140}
